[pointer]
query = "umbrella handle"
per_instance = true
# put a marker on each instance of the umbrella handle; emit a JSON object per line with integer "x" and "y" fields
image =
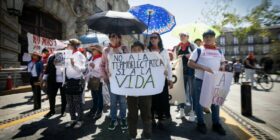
{"x": 148, "y": 25}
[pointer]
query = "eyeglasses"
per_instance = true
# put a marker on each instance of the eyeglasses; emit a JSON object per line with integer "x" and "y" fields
{"x": 153, "y": 37}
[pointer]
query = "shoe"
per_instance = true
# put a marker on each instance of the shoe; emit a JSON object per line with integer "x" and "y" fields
{"x": 206, "y": 110}
{"x": 70, "y": 124}
{"x": 97, "y": 116}
{"x": 181, "y": 114}
{"x": 78, "y": 124}
{"x": 113, "y": 125}
{"x": 201, "y": 128}
{"x": 123, "y": 124}
{"x": 219, "y": 129}
{"x": 48, "y": 115}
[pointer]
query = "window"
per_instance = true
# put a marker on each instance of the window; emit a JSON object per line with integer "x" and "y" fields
{"x": 236, "y": 50}
{"x": 265, "y": 49}
{"x": 250, "y": 39}
{"x": 251, "y": 49}
{"x": 235, "y": 40}
{"x": 265, "y": 39}
{"x": 222, "y": 40}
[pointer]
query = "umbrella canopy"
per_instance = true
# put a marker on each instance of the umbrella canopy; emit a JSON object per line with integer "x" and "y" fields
{"x": 195, "y": 30}
{"x": 156, "y": 18}
{"x": 94, "y": 39}
{"x": 116, "y": 22}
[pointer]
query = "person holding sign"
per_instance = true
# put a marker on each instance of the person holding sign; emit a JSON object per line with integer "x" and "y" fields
{"x": 74, "y": 83}
{"x": 160, "y": 102}
{"x": 183, "y": 50}
{"x": 115, "y": 47}
{"x": 208, "y": 58}
{"x": 143, "y": 103}
{"x": 94, "y": 83}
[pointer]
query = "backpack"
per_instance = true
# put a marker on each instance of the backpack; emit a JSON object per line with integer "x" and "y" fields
{"x": 199, "y": 52}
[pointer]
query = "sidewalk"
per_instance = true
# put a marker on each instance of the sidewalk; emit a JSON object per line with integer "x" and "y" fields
{"x": 37, "y": 127}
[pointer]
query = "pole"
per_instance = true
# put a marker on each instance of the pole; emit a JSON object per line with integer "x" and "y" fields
{"x": 246, "y": 99}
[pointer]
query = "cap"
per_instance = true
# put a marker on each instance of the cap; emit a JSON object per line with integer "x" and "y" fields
{"x": 209, "y": 32}
{"x": 184, "y": 33}
{"x": 96, "y": 47}
{"x": 74, "y": 42}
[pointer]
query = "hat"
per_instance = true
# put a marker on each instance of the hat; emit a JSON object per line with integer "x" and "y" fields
{"x": 74, "y": 42}
{"x": 208, "y": 32}
{"x": 96, "y": 47}
{"x": 36, "y": 53}
{"x": 184, "y": 33}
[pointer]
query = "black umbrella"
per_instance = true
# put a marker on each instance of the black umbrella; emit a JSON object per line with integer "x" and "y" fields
{"x": 116, "y": 22}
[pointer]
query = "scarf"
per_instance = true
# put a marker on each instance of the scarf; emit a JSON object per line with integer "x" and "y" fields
{"x": 213, "y": 47}
{"x": 184, "y": 46}
{"x": 96, "y": 56}
{"x": 116, "y": 46}
{"x": 75, "y": 50}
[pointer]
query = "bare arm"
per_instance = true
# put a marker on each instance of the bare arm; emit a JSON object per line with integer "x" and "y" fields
{"x": 194, "y": 65}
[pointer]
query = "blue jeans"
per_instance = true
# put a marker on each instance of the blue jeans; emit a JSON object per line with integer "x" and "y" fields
{"x": 199, "y": 109}
{"x": 189, "y": 90}
{"x": 114, "y": 101}
{"x": 97, "y": 101}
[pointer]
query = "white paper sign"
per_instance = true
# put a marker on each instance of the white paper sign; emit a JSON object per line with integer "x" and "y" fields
{"x": 37, "y": 43}
{"x": 136, "y": 74}
{"x": 61, "y": 56}
{"x": 215, "y": 88}
{"x": 177, "y": 93}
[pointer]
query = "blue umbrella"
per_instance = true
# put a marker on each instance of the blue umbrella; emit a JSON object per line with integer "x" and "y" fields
{"x": 156, "y": 18}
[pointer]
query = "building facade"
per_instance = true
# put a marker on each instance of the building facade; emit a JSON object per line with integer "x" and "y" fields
{"x": 54, "y": 19}
{"x": 260, "y": 46}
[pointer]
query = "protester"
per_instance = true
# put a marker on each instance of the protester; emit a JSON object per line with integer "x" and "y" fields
{"x": 35, "y": 69}
{"x": 74, "y": 85}
{"x": 115, "y": 47}
{"x": 237, "y": 69}
{"x": 160, "y": 102}
{"x": 143, "y": 103}
{"x": 198, "y": 42}
{"x": 183, "y": 51}
{"x": 52, "y": 80}
{"x": 250, "y": 65}
{"x": 45, "y": 55}
{"x": 206, "y": 59}
{"x": 94, "y": 81}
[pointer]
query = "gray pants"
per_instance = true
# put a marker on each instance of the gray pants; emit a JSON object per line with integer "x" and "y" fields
{"x": 75, "y": 105}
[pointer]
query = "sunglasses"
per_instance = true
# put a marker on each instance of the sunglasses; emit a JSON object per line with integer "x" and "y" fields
{"x": 154, "y": 37}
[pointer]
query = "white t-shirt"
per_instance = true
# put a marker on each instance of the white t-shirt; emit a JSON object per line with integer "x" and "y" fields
{"x": 208, "y": 57}
{"x": 76, "y": 71}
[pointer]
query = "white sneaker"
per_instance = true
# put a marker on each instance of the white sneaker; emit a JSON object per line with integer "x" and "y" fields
{"x": 181, "y": 114}
{"x": 70, "y": 124}
{"x": 191, "y": 116}
{"x": 78, "y": 124}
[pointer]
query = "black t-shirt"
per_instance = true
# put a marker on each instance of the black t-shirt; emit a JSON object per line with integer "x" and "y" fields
{"x": 251, "y": 62}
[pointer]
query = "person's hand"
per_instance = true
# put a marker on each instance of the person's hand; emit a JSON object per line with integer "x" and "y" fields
{"x": 92, "y": 65}
{"x": 72, "y": 61}
{"x": 208, "y": 70}
{"x": 170, "y": 83}
{"x": 43, "y": 84}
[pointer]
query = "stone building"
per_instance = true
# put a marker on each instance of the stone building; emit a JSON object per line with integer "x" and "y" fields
{"x": 54, "y": 19}
{"x": 260, "y": 46}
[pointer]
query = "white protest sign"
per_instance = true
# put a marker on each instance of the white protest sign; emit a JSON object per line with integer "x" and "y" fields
{"x": 215, "y": 88}
{"x": 136, "y": 74}
{"x": 37, "y": 43}
{"x": 177, "y": 93}
{"x": 61, "y": 56}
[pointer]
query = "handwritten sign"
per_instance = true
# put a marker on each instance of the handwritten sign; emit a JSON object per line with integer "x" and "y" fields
{"x": 37, "y": 43}
{"x": 215, "y": 88}
{"x": 136, "y": 74}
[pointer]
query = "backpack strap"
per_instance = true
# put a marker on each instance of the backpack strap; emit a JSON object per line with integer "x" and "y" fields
{"x": 198, "y": 54}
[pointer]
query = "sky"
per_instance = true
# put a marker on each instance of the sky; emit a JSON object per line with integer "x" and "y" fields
{"x": 189, "y": 11}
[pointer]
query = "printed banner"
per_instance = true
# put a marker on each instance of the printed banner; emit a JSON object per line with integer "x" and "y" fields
{"x": 215, "y": 88}
{"x": 61, "y": 57}
{"x": 136, "y": 74}
{"x": 37, "y": 43}
{"x": 177, "y": 93}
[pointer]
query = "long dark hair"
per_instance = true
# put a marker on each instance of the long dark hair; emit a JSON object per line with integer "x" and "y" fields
{"x": 160, "y": 45}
